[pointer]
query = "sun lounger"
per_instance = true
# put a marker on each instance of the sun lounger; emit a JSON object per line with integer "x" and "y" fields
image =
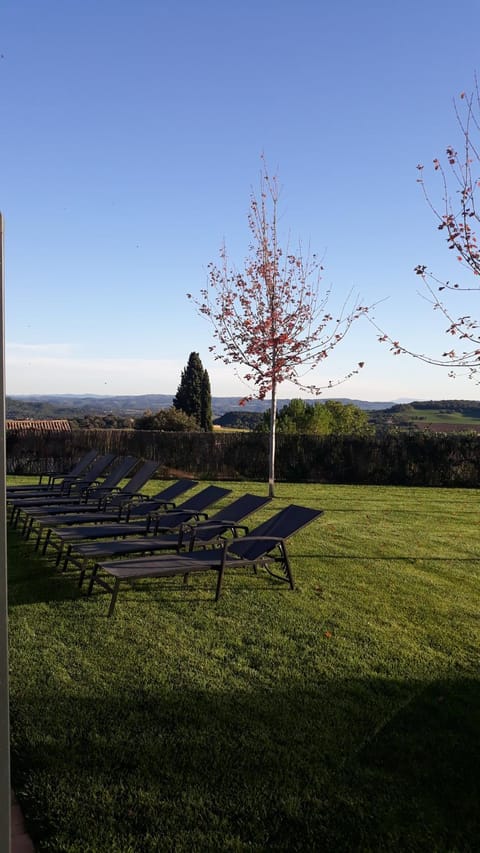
{"x": 71, "y": 491}
{"x": 92, "y": 495}
{"x": 51, "y": 484}
{"x": 190, "y": 535}
{"x": 100, "y": 499}
{"x": 263, "y": 547}
{"x": 140, "y": 522}
{"x": 135, "y": 506}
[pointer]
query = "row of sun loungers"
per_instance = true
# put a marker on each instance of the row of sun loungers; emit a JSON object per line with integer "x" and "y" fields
{"x": 88, "y": 520}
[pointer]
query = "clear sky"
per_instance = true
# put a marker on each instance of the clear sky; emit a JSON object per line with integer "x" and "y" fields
{"x": 131, "y": 136}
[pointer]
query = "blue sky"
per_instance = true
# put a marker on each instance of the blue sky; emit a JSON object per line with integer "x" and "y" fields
{"x": 131, "y": 139}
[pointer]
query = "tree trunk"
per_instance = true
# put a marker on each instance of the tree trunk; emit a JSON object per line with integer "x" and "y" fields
{"x": 271, "y": 448}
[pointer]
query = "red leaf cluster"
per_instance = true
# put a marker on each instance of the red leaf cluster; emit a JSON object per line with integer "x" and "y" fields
{"x": 271, "y": 318}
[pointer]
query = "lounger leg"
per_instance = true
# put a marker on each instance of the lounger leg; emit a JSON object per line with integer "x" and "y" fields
{"x": 288, "y": 570}
{"x": 47, "y": 540}
{"x": 39, "y": 537}
{"x": 221, "y": 571}
{"x": 82, "y": 572}
{"x": 67, "y": 556}
{"x": 92, "y": 580}
{"x": 114, "y": 596}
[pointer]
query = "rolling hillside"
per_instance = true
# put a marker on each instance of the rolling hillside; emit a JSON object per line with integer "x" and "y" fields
{"x": 438, "y": 415}
{"x": 66, "y": 405}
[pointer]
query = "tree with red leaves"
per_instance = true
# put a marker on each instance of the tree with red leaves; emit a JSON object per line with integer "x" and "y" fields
{"x": 270, "y": 320}
{"x": 458, "y": 219}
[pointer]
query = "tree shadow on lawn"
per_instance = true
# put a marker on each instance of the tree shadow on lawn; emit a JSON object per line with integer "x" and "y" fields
{"x": 33, "y": 579}
{"x": 392, "y": 558}
{"x": 367, "y": 765}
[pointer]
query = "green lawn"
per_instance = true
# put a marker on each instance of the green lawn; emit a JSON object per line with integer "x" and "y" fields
{"x": 343, "y": 716}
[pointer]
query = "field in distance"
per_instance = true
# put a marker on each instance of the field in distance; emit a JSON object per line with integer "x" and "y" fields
{"x": 447, "y": 415}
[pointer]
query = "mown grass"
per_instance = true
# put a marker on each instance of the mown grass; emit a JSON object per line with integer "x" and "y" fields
{"x": 342, "y": 716}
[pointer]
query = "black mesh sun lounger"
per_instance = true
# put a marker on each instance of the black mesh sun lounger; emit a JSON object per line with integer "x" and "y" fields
{"x": 71, "y": 491}
{"x": 189, "y": 536}
{"x": 51, "y": 484}
{"x": 263, "y": 547}
{"x": 93, "y": 494}
{"x": 191, "y": 508}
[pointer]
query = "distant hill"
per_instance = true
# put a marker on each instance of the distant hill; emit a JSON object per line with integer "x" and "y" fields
{"x": 74, "y": 405}
{"x": 431, "y": 415}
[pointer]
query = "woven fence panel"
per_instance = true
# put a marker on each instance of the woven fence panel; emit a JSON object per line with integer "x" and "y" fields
{"x": 407, "y": 459}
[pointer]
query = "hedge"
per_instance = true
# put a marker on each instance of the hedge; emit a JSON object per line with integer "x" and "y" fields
{"x": 403, "y": 458}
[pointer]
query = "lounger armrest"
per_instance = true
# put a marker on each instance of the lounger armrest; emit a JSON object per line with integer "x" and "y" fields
{"x": 277, "y": 540}
{"x": 187, "y": 513}
{"x": 125, "y": 501}
{"x": 222, "y": 527}
{"x": 263, "y": 538}
{"x": 162, "y": 506}
{"x": 67, "y": 481}
{"x": 129, "y": 502}
{"x": 139, "y": 498}
{"x": 67, "y": 485}
{"x": 84, "y": 487}
{"x": 225, "y": 522}
{"x": 47, "y": 481}
{"x": 125, "y": 508}
{"x": 101, "y": 492}
{"x": 131, "y": 496}
{"x": 110, "y": 493}
{"x": 234, "y": 526}
{"x": 50, "y": 479}
{"x": 156, "y": 519}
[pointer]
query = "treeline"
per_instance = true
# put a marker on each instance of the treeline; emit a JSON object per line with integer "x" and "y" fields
{"x": 83, "y": 417}
{"x": 470, "y": 408}
{"x": 404, "y": 459}
{"x": 239, "y": 420}
{"x": 329, "y": 418}
{"x": 22, "y": 409}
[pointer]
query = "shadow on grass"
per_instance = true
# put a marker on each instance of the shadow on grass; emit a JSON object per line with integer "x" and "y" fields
{"x": 341, "y": 766}
{"x": 32, "y": 578}
{"x": 390, "y": 558}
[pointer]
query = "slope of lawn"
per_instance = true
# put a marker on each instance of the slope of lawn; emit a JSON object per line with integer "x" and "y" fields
{"x": 342, "y": 716}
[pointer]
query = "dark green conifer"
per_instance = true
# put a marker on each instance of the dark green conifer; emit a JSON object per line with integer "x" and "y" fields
{"x": 193, "y": 394}
{"x": 206, "y": 421}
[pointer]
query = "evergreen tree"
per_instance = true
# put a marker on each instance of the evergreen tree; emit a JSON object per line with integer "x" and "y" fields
{"x": 206, "y": 421}
{"x": 193, "y": 394}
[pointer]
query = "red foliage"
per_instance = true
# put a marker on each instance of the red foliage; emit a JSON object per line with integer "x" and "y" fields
{"x": 271, "y": 317}
{"x": 458, "y": 220}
